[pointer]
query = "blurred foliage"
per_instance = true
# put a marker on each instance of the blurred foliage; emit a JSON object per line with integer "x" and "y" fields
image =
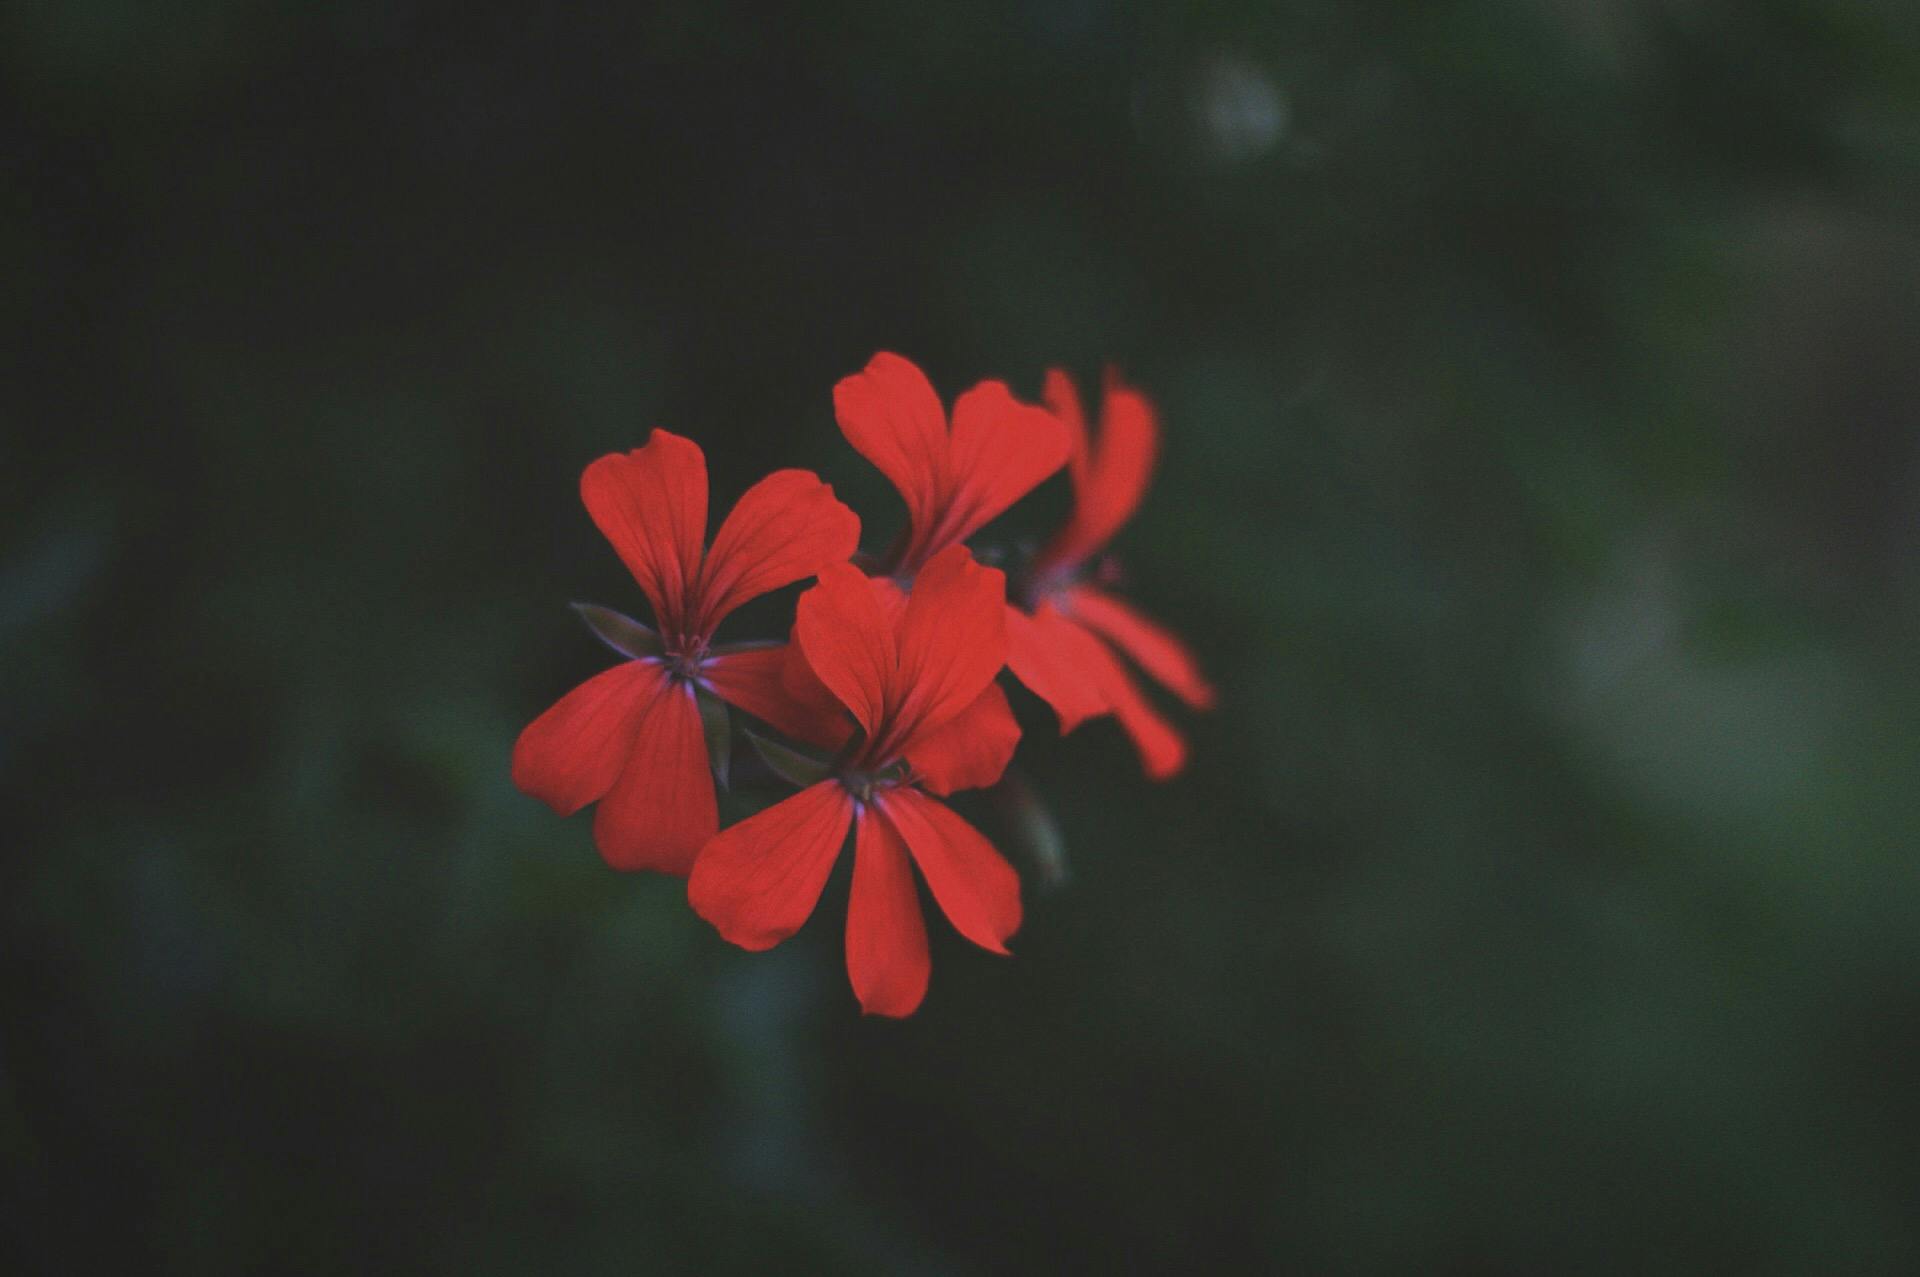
{"x": 1541, "y": 488}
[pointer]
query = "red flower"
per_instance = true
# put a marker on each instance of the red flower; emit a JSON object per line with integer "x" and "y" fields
{"x": 631, "y": 738}
{"x": 916, "y": 672}
{"x": 1056, "y": 645}
{"x": 954, "y": 481}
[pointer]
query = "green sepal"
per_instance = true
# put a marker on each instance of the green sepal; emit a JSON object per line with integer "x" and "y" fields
{"x": 717, "y": 723}
{"x": 1033, "y": 828}
{"x": 621, "y": 633}
{"x": 789, "y": 765}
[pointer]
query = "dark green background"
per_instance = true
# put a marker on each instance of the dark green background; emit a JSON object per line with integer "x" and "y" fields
{"x": 1541, "y": 486}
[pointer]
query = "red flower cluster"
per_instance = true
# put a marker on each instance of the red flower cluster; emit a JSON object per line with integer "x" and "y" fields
{"x": 890, "y": 672}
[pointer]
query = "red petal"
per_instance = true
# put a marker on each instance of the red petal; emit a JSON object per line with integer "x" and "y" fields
{"x": 953, "y": 640}
{"x": 651, "y": 504}
{"x": 1062, "y": 398}
{"x": 972, "y": 750}
{"x": 661, "y": 810}
{"x": 892, "y": 417}
{"x": 572, "y": 754}
{"x": 1152, "y": 647}
{"x": 1001, "y": 450}
{"x": 762, "y": 681}
{"x": 893, "y": 599}
{"x": 1163, "y": 751}
{"x": 886, "y": 936}
{"x": 845, "y": 636}
{"x": 803, "y": 685}
{"x": 758, "y": 881}
{"x": 976, "y": 887}
{"x": 1048, "y": 653}
{"x": 1110, "y": 473}
{"x": 785, "y": 527}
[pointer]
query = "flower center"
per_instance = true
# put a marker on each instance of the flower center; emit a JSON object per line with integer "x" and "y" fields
{"x": 684, "y": 665}
{"x": 1048, "y": 584}
{"x": 863, "y": 784}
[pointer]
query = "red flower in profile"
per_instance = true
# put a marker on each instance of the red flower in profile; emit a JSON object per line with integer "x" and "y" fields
{"x": 631, "y": 738}
{"x": 1059, "y": 644}
{"x": 953, "y": 480}
{"x": 916, "y": 672}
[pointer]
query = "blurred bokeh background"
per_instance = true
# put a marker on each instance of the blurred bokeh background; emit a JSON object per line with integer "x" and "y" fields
{"x": 1541, "y": 486}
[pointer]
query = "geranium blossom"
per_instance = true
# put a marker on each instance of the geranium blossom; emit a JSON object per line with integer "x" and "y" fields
{"x": 890, "y": 672}
{"x": 1060, "y": 644}
{"x": 915, "y": 672}
{"x": 954, "y": 480}
{"x": 631, "y": 738}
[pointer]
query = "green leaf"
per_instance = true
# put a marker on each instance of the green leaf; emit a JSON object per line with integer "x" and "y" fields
{"x": 718, "y": 725}
{"x": 621, "y": 633}
{"x": 1034, "y": 828}
{"x": 790, "y": 765}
